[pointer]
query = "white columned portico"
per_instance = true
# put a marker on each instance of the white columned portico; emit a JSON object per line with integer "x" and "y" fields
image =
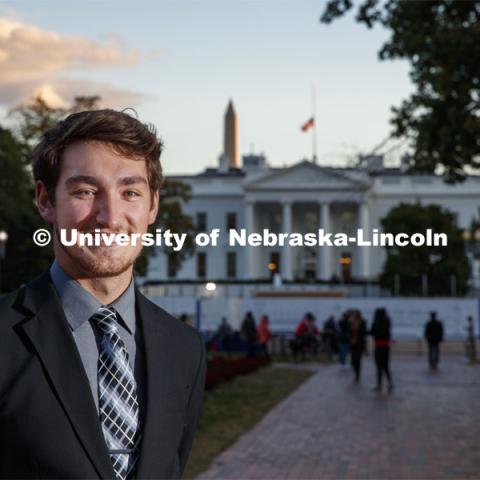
{"x": 364, "y": 252}
{"x": 286, "y": 270}
{"x": 325, "y": 253}
{"x": 249, "y": 253}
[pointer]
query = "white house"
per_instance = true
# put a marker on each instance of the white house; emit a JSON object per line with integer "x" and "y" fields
{"x": 302, "y": 198}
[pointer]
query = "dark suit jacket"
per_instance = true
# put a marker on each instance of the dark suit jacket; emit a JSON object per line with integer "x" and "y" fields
{"x": 49, "y": 426}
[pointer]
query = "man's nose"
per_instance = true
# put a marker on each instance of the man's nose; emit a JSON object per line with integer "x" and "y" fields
{"x": 108, "y": 214}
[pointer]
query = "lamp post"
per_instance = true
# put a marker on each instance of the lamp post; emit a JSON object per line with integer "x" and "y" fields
{"x": 3, "y": 243}
{"x": 210, "y": 288}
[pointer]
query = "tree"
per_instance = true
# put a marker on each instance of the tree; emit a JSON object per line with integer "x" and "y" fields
{"x": 85, "y": 102}
{"x": 34, "y": 119}
{"x": 171, "y": 217}
{"x": 441, "y": 39}
{"x": 18, "y": 217}
{"x": 437, "y": 263}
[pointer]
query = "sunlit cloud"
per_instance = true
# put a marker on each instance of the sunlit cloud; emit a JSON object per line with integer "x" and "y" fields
{"x": 35, "y": 61}
{"x": 110, "y": 96}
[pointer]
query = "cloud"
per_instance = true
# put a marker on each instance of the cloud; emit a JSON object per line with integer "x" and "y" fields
{"x": 112, "y": 97}
{"x": 35, "y": 61}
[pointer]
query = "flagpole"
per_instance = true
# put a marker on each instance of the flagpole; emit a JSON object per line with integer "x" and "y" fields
{"x": 314, "y": 129}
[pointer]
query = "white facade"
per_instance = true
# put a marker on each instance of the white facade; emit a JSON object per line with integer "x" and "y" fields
{"x": 303, "y": 198}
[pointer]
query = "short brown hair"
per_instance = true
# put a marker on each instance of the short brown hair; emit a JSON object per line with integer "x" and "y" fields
{"x": 127, "y": 135}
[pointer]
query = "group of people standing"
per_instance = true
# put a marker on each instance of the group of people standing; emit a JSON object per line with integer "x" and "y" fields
{"x": 253, "y": 337}
{"x": 351, "y": 335}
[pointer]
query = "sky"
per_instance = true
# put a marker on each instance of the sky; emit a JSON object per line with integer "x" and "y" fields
{"x": 178, "y": 62}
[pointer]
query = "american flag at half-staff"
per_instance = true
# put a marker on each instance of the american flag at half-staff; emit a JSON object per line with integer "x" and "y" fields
{"x": 308, "y": 124}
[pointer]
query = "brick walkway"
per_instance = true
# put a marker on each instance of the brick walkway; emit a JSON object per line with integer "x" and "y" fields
{"x": 429, "y": 428}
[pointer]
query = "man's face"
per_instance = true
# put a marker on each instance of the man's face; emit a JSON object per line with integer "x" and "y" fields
{"x": 98, "y": 188}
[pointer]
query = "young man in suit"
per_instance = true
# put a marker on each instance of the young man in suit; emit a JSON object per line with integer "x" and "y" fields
{"x": 96, "y": 380}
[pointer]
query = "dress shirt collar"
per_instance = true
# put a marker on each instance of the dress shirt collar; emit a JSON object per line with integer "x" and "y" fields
{"x": 79, "y": 305}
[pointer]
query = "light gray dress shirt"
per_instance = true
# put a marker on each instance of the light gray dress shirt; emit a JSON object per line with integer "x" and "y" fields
{"x": 79, "y": 306}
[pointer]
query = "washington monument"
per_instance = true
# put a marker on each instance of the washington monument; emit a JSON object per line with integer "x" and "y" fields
{"x": 230, "y": 145}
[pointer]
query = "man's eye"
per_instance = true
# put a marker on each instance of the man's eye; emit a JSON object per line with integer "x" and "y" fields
{"x": 131, "y": 194}
{"x": 85, "y": 193}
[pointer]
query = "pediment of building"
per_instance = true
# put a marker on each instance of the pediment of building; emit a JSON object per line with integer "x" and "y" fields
{"x": 306, "y": 176}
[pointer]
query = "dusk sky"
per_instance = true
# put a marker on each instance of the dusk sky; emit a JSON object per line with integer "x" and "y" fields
{"x": 179, "y": 62}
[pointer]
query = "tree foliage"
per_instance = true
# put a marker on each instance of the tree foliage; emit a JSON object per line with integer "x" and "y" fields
{"x": 32, "y": 120}
{"x": 437, "y": 263}
{"x": 171, "y": 217}
{"x": 18, "y": 217}
{"x": 441, "y": 40}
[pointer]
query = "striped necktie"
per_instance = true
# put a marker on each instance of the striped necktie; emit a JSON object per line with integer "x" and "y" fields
{"x": 117, "y": 396}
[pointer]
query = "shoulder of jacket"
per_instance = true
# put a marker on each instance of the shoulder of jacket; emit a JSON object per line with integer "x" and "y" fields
{"x": 174, "y": 325}
{"x": 7, "y": 302}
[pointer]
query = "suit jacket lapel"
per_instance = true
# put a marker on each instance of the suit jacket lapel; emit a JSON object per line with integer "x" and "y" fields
{"x": 158, "y": 366}
{"x": 53, "y": 341}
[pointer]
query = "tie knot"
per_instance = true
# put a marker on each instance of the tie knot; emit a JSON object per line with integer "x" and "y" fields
{"x": 105, "y": 319}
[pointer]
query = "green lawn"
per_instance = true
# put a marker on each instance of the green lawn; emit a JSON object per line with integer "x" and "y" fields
{"x": 235, "y": 407}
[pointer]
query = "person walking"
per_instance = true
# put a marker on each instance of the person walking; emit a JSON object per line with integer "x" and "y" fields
{"x": 329, "y": 336}
{"x": 344, "y": 333}
{"x": 380, "y": 332}
{"x": 249, "y": 333}
{"x": 434, "y": 336}
{"x": 357, "y": 342}
{"x": 225, "y": 334}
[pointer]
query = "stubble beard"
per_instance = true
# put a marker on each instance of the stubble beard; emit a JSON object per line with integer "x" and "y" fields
{"x": 99, "y": 262}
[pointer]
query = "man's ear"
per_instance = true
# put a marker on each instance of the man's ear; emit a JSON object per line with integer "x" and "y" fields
{"x": 44, "y": 204}
{"x": 152, "y": 216}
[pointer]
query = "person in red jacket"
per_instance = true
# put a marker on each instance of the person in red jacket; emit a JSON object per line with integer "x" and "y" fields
{"x": 307, "y": 333}
{"x": 264, "y": 334}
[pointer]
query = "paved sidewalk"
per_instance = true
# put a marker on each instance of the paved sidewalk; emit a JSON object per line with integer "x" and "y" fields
{"x": 330, "y": 428}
